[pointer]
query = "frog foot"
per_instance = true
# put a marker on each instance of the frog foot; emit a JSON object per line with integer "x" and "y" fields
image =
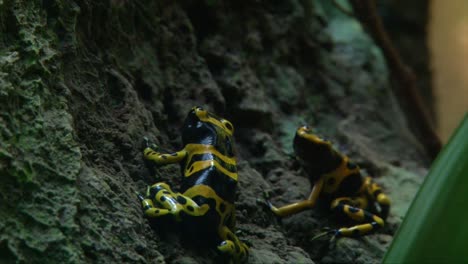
{"x": 263, "y": 201}
{"x": 226, "y": 246}
{"x": 149, "y": 144}
{"x": 140, "y": 196}
{"x": 327, "y": 232}
{"x": 237, "y": 253}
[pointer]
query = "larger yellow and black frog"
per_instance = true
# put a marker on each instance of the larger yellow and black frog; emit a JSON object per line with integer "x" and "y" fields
{"x": 205, "y": 203}
{"x": 339, "y": 184}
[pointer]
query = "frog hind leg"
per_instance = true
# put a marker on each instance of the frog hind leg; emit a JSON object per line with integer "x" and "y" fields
{"x": 375, "y": 192}
{"x": 346, "y": 207}
{"x": 149, "y": 209}
{"x": 231, "y": 245}
{"x": 169, "y": 202}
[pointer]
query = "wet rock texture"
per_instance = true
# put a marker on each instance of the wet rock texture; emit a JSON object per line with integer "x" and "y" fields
{"x": 82, "y": 82}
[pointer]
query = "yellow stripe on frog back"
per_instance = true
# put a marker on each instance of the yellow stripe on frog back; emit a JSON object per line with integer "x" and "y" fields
{"x": 204, "y": 164}
{"x": 207, "y": 192}
{"x": 195, "y": 149}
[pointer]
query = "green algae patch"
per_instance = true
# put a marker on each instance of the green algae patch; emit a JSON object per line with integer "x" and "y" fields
{"x": 39, "y": 158}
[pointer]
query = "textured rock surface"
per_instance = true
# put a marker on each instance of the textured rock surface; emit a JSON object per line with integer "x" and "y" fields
{"x": 82, "y": 82}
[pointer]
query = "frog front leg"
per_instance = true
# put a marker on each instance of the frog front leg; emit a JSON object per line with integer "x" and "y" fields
{"x": 161, "y": 200}
{"x": 299, "y": 206}
{"x": 232, "y": 245}
{"x": 164, "y": 158}
{"x": 347, "y": 208}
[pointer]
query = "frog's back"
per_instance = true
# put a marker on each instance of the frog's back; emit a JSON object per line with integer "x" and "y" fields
{"x": 210, "y": 177}
{"x": 210, "y": 168}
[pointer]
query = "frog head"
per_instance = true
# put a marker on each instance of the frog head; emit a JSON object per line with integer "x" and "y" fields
{"x": 315, "y": 152}
{"x": 203, "y": 127}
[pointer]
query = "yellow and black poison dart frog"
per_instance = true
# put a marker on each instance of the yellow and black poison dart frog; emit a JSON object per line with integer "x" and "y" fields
{"x": 338, "y": 182}
{"x": 206, "y": 201}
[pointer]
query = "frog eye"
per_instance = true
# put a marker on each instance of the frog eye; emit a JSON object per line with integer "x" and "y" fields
{"x": 198, "y": 109}
{"x": 200, "y": 112}
{"x": 303, "y": 130}
{"x": 228, "y": 125}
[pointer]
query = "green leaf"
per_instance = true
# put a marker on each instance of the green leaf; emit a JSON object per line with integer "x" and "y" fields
{"x": 435, "y": 228}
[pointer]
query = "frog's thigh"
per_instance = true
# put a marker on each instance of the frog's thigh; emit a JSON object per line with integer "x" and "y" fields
{"x": 190, "y": 207}
{"x": 370, "y": 221}
{"x": 375, "y": 192}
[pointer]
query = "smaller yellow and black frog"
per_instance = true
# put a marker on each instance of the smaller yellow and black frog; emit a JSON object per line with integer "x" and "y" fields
{"x": 338, "y": 183}
{"x": 205, "y": 203}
